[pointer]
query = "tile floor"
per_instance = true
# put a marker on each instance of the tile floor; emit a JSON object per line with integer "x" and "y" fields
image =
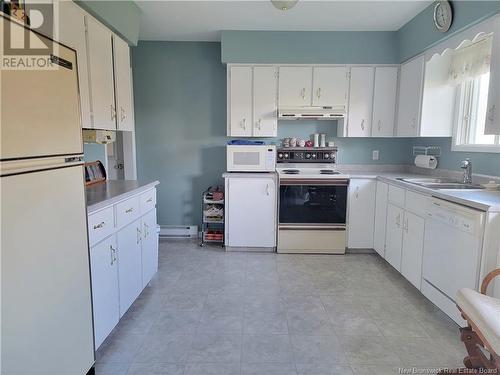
{"x": 208, "y": 312}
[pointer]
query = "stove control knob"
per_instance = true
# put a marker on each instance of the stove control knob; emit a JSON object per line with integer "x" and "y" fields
{"x": 280, "y": 155}
{"x": 332, "y": 156}
{"x": 308, "y": 155}
{"x": 314, "y": 156}
{"x": 327, "y": 156}
{"x": 286, "y": 155}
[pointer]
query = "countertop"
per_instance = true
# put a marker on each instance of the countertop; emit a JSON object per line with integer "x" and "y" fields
{"x": 484, "y": 200}
{"x": 106, "y": 193}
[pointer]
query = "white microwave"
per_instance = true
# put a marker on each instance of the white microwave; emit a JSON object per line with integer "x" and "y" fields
{"x": 251, "y": 158}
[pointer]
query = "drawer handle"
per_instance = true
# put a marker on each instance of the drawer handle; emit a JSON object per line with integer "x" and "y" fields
{"x": 113, "y": 254}
{"x": 138, "y": 236}
{"x": 149, "y": 200}
{"x": 129, "y": 210}
{"x": 100, "y": 225}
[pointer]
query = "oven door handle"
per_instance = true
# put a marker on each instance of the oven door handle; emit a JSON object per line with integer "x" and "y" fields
{"x": 312, "y": 181}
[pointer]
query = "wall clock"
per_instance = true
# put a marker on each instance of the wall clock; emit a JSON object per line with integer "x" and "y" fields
{"x": 443, "y": 15}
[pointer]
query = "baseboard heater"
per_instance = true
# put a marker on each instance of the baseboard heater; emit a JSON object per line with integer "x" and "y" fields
{"x": 179, "y": 231}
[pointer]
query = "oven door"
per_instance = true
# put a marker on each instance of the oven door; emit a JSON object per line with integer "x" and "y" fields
{"x": 313, "y": 203}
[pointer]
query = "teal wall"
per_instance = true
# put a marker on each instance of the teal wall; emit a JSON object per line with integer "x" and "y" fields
{"x": 180, "y": 114}
{"x": 483, "y": 163}
{"x": 420, "y": 33}
{"x": 93, "y": 152}
{"x": 311, "y": 47}
{"x": 123, "y": 17}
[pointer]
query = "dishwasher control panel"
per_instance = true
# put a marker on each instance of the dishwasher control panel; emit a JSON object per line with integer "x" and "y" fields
{"x": 460, "y": 217}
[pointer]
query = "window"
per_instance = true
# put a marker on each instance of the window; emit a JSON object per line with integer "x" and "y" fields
{"x": 470, "y": 74}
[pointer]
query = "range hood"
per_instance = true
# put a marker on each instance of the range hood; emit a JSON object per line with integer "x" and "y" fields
{"x": 316, "y": 113}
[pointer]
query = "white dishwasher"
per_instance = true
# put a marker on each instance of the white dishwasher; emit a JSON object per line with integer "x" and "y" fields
{"x": 452, "y": 253}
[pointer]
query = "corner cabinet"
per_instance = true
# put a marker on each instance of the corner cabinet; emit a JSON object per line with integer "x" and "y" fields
{"x": 252, "y": 101}
{"x": 361, "y": 213}
{"x": 102, "y": 93}
{"x": 410, "y": 97}
{"x": 123, "y": 257}
{"x": 251, "y": 207}
{"x": 492, "y": 125}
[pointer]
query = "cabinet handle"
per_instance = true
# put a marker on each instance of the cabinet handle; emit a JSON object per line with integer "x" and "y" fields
{"x": 303, "y": 93}
{"x": 259, "y": 124}
{"x": 398, "y": 220}
{"x": 129, "y": 210}
{"x": 122, "y": 114}
{"x": 146, "y": 230}
{"x": 406, "y": 226}
{"x": 357, "y": 192}
{"x": 100, "y": 225}
{"x": 491, "y": 113}
{"x": 363, "y": 124}
{"x": 138, "y": 236}
{"x": 267, "y": 190}
{"x": 318, "y": 94}
{"x": 113, "y": 254}
{"x": 149, "y": 200}
{"x": 113, "y": 112}
{"x": 243, "y": 124}
{"x": 379, "y": 125}
{"x": 413, "y": 123}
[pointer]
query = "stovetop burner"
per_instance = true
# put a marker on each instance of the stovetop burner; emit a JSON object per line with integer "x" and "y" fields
{"x": 291, "y": 171}
{"x": 328, "y": 171}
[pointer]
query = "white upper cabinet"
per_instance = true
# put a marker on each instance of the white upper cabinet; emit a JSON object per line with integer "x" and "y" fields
{"x": 493, "y": 109}
{"x": 240, "y": 101}
{"x": 265, "y": 113}
{"x": 123, "y": 85}
{"x": 101, "y": 75}
{"x": 410, "y": 97}
{"x": 330, "y": 85}
{"x": 295, "y": 85}
{"x": 359, "y": 120}
{"x": 71, "y": 21}
{"x": 384, "y": 101}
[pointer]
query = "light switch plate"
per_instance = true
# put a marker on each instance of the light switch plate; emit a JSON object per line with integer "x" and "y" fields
{"x": 375, "y": 155}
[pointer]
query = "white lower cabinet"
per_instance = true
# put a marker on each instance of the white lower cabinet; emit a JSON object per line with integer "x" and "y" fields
{"x": 105, "y": 296}
{"x": 361, "y": 214}
{"x": 380, "y": 218}
{"x": 394, "y": 235}
{"x": 250, "y": 212}
{"x": 129, "y": 264}
{"x": 149, "y": 247}
{"x": 123, "y": 263}
{"x": 413, "y": 247}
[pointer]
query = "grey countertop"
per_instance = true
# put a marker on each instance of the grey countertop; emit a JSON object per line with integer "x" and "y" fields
{"x": 484, "y": 200}
{"x": 109, "y": 192}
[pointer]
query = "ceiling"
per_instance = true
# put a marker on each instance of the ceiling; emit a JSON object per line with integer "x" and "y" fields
{"x": 203, "y": 20}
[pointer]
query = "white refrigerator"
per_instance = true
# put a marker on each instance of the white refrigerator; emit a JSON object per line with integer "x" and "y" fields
{"x": 46, "y": 309}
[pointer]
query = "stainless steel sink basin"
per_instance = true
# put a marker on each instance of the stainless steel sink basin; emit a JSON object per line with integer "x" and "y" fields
{"x": 441, "y": 183}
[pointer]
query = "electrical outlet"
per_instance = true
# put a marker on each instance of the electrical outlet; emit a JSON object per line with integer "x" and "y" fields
{"x": 375, "y": 155}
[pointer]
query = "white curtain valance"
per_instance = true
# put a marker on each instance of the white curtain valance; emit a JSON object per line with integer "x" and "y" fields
{"x": 471, "y": 60}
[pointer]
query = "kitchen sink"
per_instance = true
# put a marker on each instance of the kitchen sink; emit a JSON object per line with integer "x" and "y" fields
{"x": 441, "y": 183}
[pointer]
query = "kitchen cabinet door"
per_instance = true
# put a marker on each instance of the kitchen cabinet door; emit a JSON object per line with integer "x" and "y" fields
{"x": 359, "y": 117}
{"x": 149, "y": 247}
{"x": 394, "y": 236}
{"x": 123, "y": 85}
{"x": 361, "y": 213}
{"x": 492, "y": 125}
{"x": 129, "y": 264}
{"x": 413, "y": 247}
{"x": 240, "y": 101}
{"x": 251, "y": 212}
{"x": 384, "y": 101}
{"x": 102, "y": 91}
{"x": 105, "y": 292}
{"x": 330, "y": 86}
{"x": 380, "y": 218}
{"x": 71, "y": 21}
{"x": 265, "y": 106}
{"x": 295, "y": 85}
{"x": 410, "y": 97}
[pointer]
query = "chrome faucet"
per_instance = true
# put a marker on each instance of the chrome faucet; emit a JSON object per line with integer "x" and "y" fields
{"x": 467, "y": 167}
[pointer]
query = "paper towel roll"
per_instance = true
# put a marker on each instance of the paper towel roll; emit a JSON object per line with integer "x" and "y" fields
{"x": 426, "y": 161}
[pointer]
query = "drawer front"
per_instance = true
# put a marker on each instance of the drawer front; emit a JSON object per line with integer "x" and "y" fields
{"x": 147, "y": 200}
{"x": 101, "y": 225}
{"x": 396, "y": 195}
{"x": 127, "y": 211}
{"x": 416, "y": 203}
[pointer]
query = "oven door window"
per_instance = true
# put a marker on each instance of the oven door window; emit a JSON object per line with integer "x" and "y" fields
{"x": 313, "y": 204}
